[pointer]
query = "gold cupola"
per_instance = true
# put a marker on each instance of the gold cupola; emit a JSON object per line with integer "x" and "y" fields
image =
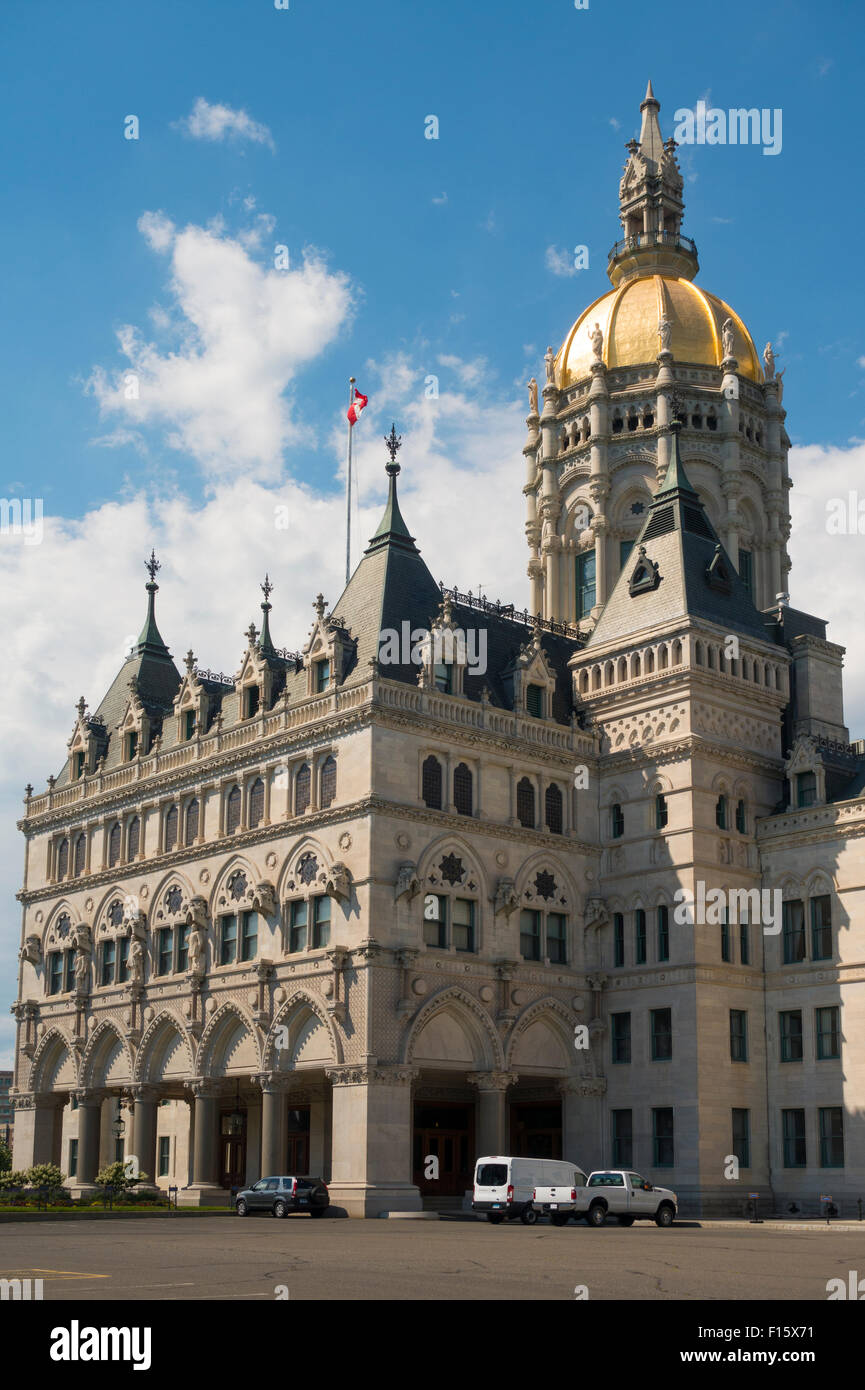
{"x": 652, "y": 269}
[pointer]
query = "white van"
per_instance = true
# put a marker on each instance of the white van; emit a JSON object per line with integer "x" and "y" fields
{"x": 504, "y": 1187}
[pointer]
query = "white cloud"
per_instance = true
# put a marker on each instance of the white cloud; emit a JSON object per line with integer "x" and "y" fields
{"x": 617, "y": 125}
{"x": 241, "y": 332}
{"x": 470, "y": 374}
{"x": 441, "y": 200}
{"x": 217, "y": 122}
{"x": 559, "y": 262}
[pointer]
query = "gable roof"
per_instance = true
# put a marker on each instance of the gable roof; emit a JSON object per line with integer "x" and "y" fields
{"x": 695, "y": 576}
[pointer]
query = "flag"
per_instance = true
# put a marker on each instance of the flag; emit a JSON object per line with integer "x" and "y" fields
{"x": 357, "y": 405}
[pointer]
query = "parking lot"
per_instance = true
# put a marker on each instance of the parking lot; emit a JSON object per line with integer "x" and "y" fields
{"x": 261, "y": 1258}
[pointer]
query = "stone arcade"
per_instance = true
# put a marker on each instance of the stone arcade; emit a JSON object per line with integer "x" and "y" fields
{"x": 337, "y": 915}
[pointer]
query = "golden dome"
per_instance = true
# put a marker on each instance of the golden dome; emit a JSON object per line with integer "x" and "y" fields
{"x": 628, "y": 318}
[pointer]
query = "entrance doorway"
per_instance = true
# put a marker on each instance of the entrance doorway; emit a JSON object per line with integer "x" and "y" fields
{"x": 444, "y": 1133}
{"x": 297, "y": 1146}
{"x": 536, "y": 1131}
{"x": 232, "y": 1149}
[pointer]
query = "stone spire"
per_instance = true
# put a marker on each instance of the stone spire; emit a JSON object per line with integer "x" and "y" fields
{"x": 651, "y": 206}
{"x": 150, "y": 641}
{"x": 265, "y": 642}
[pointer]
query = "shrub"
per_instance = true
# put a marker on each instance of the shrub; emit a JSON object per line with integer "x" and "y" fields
{"x": 5, "y": 1158}
{"x": 115, "y": 1175}
{"x": 46, "y": 1175}
{"x": 10, "y": 1179}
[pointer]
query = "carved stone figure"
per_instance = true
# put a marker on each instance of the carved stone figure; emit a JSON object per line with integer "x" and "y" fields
{"x": 136, "y": 961}
{"x": 769, "y": 361}
{"x": 596, "y": 338}
{"x": 196, "y": 951}
{"x": 665, "y": 333}
{"x": 779, "y": 383}
{"x": 549, "y": 359}
{"x": 506, "y": 897}
{"x": 407, "y": 882}
{"x": 31, "y": 950}
{"x": 264, "y": 899}
{"x": 338, "y": 882}
{"x": 533, "y": 396}
{"x": 82, "y": 970}
{"x": 727, "y": 337}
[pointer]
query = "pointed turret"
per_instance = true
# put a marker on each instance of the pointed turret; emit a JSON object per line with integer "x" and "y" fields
{"x": 392, "y": 529}
{"x": 149, "y": 639}
{"x": 264, "y": 641}
{"x": 651, "y": 206}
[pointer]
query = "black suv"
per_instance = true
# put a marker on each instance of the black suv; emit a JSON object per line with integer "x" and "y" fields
{"x": 279, "y": 1196}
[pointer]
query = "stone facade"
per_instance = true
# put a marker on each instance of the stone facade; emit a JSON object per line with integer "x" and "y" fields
{"x": 345, "y": 915}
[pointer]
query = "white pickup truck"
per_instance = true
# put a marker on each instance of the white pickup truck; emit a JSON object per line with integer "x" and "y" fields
{"x": 618, "y": 1190}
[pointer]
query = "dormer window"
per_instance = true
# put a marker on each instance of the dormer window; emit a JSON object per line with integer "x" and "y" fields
{"x": 322, "y": 677}
{"x": 80, "y": 760}
{"x": 189, "y": 725}
{"x": 444, "y": 677}
{"x": 535, "y": 701}
{"x": 250, "y": 701}
{"x": 131, "y": 745}
{"x": 806, "y": 788}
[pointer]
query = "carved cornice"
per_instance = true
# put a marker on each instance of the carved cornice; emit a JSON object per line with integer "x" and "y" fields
{"x": 372, "y": 1074}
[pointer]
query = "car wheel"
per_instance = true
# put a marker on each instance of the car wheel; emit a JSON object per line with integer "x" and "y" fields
{"x": 626, "y": 1220}
{"x": 495, "y": 1218}
{"x": 597, "y": 1214}
{"x": 559, "y": 1218}
{"x": 242, "y": 1209}
{"x": 528, "y": 1216}
{"x": 280, "y": 1209}
{"x": 664, "y": 1215}
{"x": 318, "y": 1211}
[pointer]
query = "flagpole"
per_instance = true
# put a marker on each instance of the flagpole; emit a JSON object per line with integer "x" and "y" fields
{"x": 348, "y": 492}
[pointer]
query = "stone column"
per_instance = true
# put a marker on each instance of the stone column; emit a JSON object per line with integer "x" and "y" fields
{"x": 38, "y": 1128}
{"x": 204, "y": 1189}
{"x": 584, "y": 1141}
{"x": 143, "y": 1140}
{"x": 89, "y": 1133}
{"x": 492, "y": 1110}
{"x": 273, "y": 1133}
{"x": 372, "y": 1136}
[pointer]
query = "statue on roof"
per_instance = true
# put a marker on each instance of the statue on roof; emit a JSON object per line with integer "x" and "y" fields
{"x": 596, "y": 338}
{"x": 727, "y": 337}
{"x": 665, "y": 332}
{"x": 533, "y": 396}
{"x": 549, "y": 360}
{"x": 769, "y": 361}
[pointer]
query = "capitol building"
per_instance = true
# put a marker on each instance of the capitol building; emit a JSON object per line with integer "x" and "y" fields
{"x": 340, "y": 914}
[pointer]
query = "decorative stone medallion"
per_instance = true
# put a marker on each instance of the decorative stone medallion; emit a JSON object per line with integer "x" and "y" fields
{"x": 204, "y": 876}
{"x": 345, "y": 840}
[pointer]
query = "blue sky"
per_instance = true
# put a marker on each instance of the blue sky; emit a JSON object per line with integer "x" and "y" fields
{"x": 408, "y": 256}
{"x": 528, "y": 157}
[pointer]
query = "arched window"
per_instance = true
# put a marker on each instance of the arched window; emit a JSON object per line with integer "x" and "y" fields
{"x": 431, "y": 783}
{"x": 328, "y": 781}
{"x": 302, "y": 786}
{"x": 191, "y": 823}
{"x": 256, "y": 802}
{"x": 63, "y": 859}
{"x": 741, "y": 824}
{"x": 721, "y": 813}
{"x": 80, "y": 854}
{"x": 114, "y": 844}
{"x": 526, "y": 803}
{"x": 660, "y": 811}
{"x": 232, "y": 811}
{"x": 462, "y": 790}
{"x": 554, "y": 809}
{"x": 617, "y": 821}
{"x": 171, "y": 828}
{"x": 134, "y": 837}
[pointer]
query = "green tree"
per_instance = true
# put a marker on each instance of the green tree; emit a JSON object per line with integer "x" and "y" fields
{"x": 5, "y": 1157}
{"x": 46, "y": 1175}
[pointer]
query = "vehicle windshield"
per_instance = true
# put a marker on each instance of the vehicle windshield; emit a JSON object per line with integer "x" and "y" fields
{"x": 606, "y": 1180}
{"x": 491, "y": 1175}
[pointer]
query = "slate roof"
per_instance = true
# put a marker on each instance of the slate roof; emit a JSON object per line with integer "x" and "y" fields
{"x": 679, "y": 538}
